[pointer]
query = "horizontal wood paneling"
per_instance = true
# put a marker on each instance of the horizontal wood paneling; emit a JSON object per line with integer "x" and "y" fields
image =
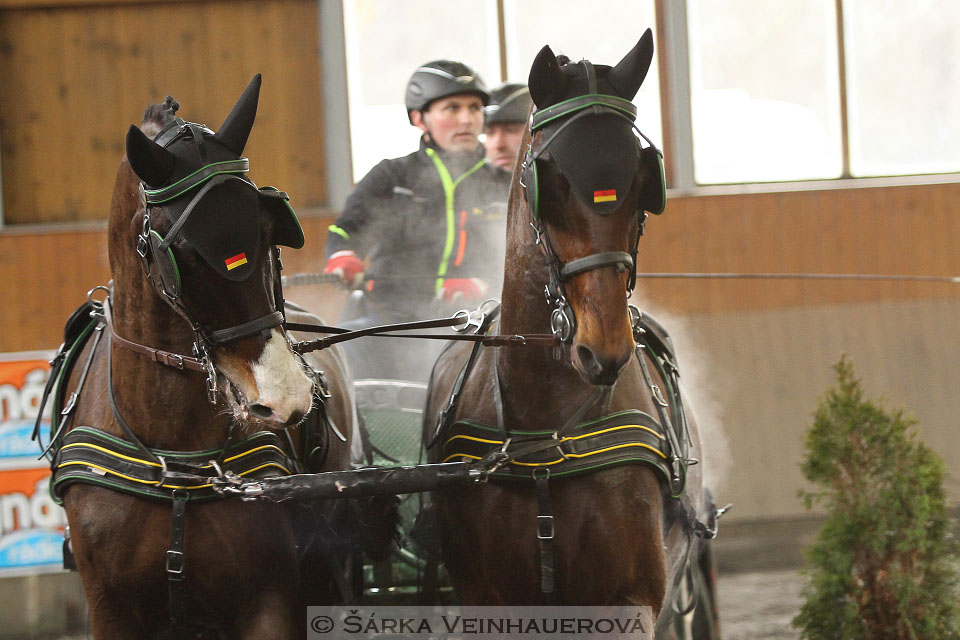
{"x": 889, "y": 230}
{"x": 74, "y": 79}
{"x": 45, "y": 274}
{"x": 905, "y": 230}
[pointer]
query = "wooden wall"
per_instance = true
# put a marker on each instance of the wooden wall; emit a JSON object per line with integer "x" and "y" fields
{"x": 45, "y": 274}
{"x": 75, "y": 75}
{"x": 887, "y": 230}
{"x": 905, "y": 230}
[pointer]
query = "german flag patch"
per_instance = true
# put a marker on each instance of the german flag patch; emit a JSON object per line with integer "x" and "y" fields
{"x": 236, "y": 261}
{"x": 607, "y": 195}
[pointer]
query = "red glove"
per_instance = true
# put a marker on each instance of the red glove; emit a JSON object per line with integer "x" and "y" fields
{"x": 348, "y": 266}
{"x": 454, "y": 289}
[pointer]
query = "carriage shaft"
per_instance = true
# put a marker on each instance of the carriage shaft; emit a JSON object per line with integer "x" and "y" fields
{"x": 356, "y": 483}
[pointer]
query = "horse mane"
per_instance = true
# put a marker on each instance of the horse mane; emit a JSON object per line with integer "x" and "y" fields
{"x": 157, "y": 116}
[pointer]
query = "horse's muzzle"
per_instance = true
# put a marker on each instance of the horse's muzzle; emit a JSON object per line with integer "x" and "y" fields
{"x": 595, "y": 368}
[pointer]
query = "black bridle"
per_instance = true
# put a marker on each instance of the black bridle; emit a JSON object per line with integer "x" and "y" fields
{"x": 562, "y": 319}
{"x": 157, "y": 259}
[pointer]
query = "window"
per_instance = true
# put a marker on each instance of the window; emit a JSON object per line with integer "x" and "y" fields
{"x": 778, "y": 91}
{"x": 765, "y": 99}
{"x": 387, "y": 40}
{"x": 602, "y": 35}
{"x": 903, "y": 85}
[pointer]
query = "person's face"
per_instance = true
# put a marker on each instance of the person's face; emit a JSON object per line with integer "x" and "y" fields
{"x": 503, "y": 143}
{"x": 453, "y": 122}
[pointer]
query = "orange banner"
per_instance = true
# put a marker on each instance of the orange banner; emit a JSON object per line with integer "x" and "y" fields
{"x": 31, "y": 524}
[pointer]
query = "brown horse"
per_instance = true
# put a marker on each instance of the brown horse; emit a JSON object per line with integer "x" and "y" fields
{"x": 188, "y": 375}
{"x": 623, "y": 525}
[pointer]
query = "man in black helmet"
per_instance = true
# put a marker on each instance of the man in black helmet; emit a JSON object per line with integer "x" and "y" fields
{"x": 505, "y": 123}
{"x": 425, "y": 232}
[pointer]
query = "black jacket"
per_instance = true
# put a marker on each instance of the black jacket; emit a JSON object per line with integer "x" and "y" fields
{"x": 398, "y": 217}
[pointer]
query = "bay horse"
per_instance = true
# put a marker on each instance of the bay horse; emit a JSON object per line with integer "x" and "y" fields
{"x": 187, "y": 378}
{"x": 601, "y": 495}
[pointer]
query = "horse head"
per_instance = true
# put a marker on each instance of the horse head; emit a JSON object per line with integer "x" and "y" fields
{"x": 588, "y": 182}
{"x": 206, "y": 237}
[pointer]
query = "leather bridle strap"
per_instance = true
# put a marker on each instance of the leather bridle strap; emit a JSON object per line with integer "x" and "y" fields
{"x": 178, "y": 361}
{"x": 543, "y": 116}
{"x": 230, "y": 167}
{"x": 268, "y": 321}
{"x": 621, "y": 259}
{"x": 545, "y": 531}
{"x": 174, "y": 561}
{"x": 168, "y": 358}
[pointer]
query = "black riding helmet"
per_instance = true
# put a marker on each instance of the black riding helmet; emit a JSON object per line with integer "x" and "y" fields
{"x": 439, "y": 79}
{"x": 509, "y": 103}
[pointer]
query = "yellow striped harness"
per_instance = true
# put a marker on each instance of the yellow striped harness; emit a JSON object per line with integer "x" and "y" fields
{"x": 625, "y": 437}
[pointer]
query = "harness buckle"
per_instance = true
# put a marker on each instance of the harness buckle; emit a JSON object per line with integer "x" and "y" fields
{"x": 495, "y": 459}
{"x": 658, "y": 395}
{"x": 142, "y": 246}
{"x": 163, "y": 470}
{"x": 211, "y": 379}
{"x": 71, "y": 403}
{"x": 559, "y": 445}
{"x": 537, "y": 232}
{"x": 59, "y": 355}
{"x": 545, "y": 527}
{"x": 470, "y": 319}
{"x": 174, "y": 562}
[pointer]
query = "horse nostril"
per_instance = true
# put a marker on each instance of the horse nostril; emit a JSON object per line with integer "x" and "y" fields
{"x": 588, "y": 360}
{"x": 260, "y": 411}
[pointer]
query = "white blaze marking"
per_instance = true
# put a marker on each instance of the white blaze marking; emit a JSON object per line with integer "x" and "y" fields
{"x": 281, "y": 383}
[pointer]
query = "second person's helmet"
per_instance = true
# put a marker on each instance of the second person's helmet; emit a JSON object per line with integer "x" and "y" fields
{"x": 510, "y": 102}
{"x": 439, "y": 79}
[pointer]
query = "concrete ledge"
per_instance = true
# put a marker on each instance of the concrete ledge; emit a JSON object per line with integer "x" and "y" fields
{"x": 42, "y": 606}
{"x": 761, "y": 545}
{"x": 766, "y": 545}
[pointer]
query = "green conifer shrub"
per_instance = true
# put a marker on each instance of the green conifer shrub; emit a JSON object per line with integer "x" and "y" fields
{"x": 884, "y": 564}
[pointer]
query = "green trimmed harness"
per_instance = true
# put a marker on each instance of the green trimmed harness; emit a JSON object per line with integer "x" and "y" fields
{"x": 88, "y": 455}
{"x": 578, "y": 447}
{"x": 625, "y": 437}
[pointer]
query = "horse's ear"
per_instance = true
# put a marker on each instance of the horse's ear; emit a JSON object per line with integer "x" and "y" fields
{"x": 235, "y": 130}
{"x": 152, "y": 163}
{"x": 629, "y": 73}
{"x": 547, "y": 83}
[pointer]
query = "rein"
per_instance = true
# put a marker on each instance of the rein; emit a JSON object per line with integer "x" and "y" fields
{"x": 461, "y": 322}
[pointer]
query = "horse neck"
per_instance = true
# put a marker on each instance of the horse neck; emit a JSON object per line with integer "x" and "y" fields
{"x": 525, "y": 310}
{"x": 166, "y": 408}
